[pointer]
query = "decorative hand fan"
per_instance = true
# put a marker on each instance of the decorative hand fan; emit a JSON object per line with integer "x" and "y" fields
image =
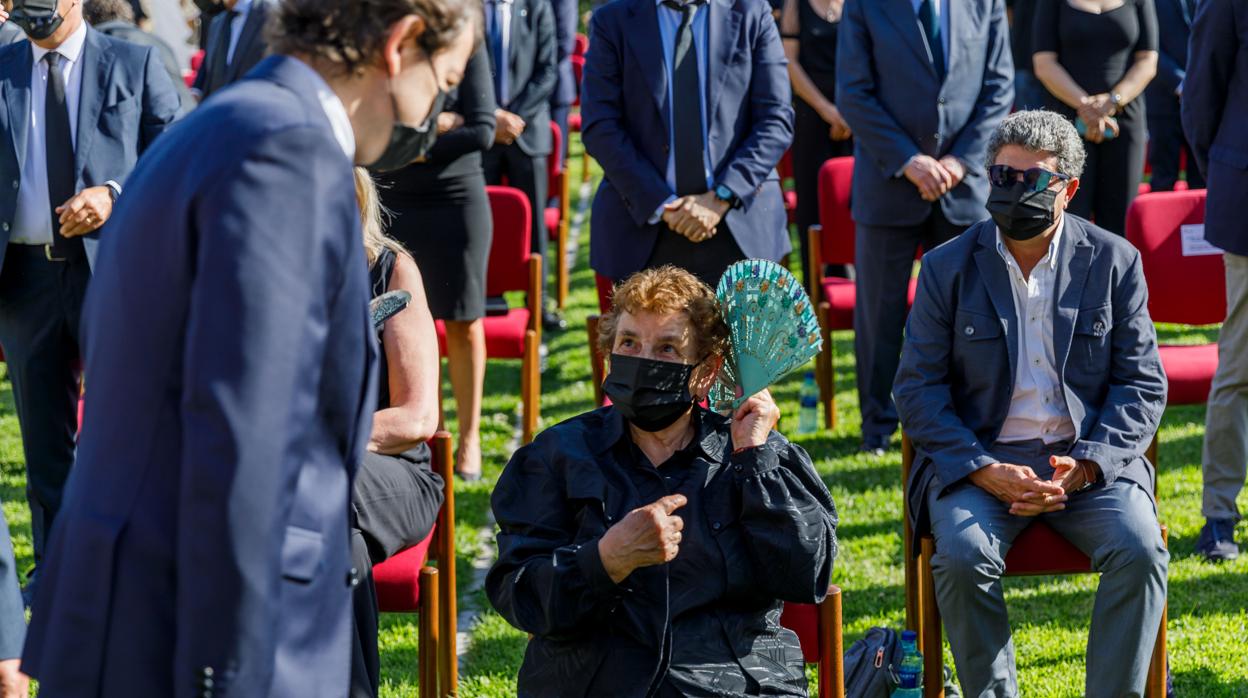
{"x": 773, "y": 328}
{"x": 386, "y": 305}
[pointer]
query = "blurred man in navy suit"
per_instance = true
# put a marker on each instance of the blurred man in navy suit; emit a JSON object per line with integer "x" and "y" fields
{"x": 1215, "y": 110}
{"x": 922, "y": 83}
{"x": 1165, "y": 128}
{"x": 686, "y": 105}
{"x": 78, "y": 109}
{"x": 235, "y": 43}
{"x": 203, "y": 545}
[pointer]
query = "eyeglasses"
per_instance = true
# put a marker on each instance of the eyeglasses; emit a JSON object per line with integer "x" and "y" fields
{"x": 1036, "y": 179}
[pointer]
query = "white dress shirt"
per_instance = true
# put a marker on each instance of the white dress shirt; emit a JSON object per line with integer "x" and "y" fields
{"x": 32, "y": 221}
{"x": 335, "y": 111}
{"x": 1038, "y": 405}
{"x": 243, "y": 8}
{"x": 669, "y": 24}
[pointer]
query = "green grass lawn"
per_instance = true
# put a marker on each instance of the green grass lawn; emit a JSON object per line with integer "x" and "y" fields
{"x": 1208, "y": 620}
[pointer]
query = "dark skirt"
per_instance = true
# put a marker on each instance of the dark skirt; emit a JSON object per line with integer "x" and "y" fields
{"x": 448, "y": 229}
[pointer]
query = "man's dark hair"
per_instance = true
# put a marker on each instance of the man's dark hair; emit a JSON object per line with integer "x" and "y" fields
{"x": 350, "y": 33}
{"x": 97, "y": 12}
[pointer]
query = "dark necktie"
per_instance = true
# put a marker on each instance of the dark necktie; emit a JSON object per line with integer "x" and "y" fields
{"x": 931, "y": 29}
{"x": 687, "y": 130}
{"x": 1189, "y": 9}
{"x": 58, "y": 150}
{"x": 221, "y": 52}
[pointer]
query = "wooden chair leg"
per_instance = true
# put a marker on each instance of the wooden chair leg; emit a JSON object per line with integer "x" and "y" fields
{"x": 831, "y": 646}
{"x": 825, "y": 372}
{"x": 910, "y": 565}
{"x": 596, "y": 368}
{"x": 448, "y": 659}
{"x": 584, "y": 162}
{"x": 561, "y": 266}
{"x": 530, "y": 389}
{"x": 427, "y": 635}
{"x": 930, "y": 632}
{"x": 1156, "y": 686}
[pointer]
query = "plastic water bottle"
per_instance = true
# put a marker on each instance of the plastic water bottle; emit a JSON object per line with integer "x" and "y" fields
{"x": 808, "y": 417}
{"x": 910, "y": 673}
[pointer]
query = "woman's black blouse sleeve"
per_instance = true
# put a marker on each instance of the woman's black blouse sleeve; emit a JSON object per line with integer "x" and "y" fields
{"x": 789, "y": 520}
{"x": 1044, "y": 27}
{"x": 1148, "y": 26}
{"x": 476, "y": 104}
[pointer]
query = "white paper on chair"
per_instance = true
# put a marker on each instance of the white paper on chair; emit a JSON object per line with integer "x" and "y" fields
{"x": 1194, "y": 242}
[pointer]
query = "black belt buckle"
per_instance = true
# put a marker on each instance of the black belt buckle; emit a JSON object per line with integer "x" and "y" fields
{"x": 47, "y": 252}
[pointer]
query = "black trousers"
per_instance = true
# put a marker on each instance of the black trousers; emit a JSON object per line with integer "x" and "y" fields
{"x": 706, "y": 260}
{"x": 40, "y": 309}
{"x": 1111, "y": 177}
{"x": 394, "y": 504}
{"x": 1165, "y": 142}
{"x": 884, "y": 260}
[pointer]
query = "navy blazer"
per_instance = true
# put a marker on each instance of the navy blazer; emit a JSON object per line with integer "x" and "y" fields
{"x": 888, "y": 91}
{"x": 252, "y": 47}
{"x": 958, "y": 362}
{"x": 626, "y": 119}
{"x": 567, "y": 16}
{"x": 127, "y": 100}
{"x": 1174, "y": 28}
{"x": 204, "y": 529}
{"x": 531, "y": 54}
{"x": 1215, "y": 110}
{"x": 10, "y": 33}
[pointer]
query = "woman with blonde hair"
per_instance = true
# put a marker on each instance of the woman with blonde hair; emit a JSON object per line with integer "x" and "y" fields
{"x": 396, "y": 496}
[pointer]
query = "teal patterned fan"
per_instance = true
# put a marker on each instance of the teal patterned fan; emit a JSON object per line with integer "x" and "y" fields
{"x": 773, "y": 328}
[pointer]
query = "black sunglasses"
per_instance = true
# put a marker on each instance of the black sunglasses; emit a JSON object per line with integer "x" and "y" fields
{"x": 1036, "y": 179}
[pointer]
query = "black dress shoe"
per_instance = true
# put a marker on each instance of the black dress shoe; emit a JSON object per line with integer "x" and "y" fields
{"x": 28, "y": 591}
{"x": 874, "y": 445}
{"x": 1217, "y": 540}
{"x": 552, "y": 320}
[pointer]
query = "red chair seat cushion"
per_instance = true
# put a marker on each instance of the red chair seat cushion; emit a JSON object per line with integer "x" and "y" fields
{"x": 1040, "y": 550}
{"x": 504, "y": 334}
{"x": 574, "y": 122}
{"x": 803, "y": 619}
{"x": 841, "y": 295}
{"x": 552, "y": 221}
{"x": 398, "y": 579}
{"x": 1189, "y": 370}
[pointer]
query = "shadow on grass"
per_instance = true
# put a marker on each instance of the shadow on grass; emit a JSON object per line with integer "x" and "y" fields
{"x": 1206, "y": 684}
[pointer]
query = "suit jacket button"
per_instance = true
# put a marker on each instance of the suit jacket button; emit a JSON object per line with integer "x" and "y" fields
{"x": 6, "y": 227}
{"x": 941, "y": 100}
{"x": 16, "y": 184}
{"x": 969, "y": 330}
{"x": 715, "y": 526}
{"x": 353, "y": 577}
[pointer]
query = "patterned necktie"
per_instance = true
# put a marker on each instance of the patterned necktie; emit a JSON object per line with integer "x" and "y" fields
{"x": 687, "y": 105}
{"x": 58, "y": 149}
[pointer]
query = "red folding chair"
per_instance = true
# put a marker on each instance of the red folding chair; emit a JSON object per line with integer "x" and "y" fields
{"x": 785, "y": 170}
{"x": 514, "y": 267}
{"x": 832, "y": 242}
{"x": 197, "y": 60}
{"x": 406, "y": 583}
{"x": 1189, "y": 290}
{"x": 558, "y": 219}
{"x": 1038, "y": 550}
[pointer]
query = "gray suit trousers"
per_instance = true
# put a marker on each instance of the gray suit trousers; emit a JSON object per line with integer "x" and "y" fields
{"x": 1115, "y": 525}
{"x": 1226, "y": 426}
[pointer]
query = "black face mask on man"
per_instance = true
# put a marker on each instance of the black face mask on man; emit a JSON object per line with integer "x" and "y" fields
{"x": 38, "y": 18}
{"x": 410, "y": 143}
{"x": 650, "y": 394}
{"x": 1020, "y": 213}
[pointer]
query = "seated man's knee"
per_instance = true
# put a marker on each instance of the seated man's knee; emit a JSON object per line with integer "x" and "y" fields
{"x": 967, "y": 556}
{"x": 1141, "y": 552}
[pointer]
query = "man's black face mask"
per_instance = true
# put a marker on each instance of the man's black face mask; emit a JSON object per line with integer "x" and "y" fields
{"x": 38, "y": 18}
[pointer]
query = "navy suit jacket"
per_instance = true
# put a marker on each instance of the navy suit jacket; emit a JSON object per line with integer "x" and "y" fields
{"x": 127, "y": 101}
{"x": 10, "y": 33}
{"x": 1215, "y": 111}
{"x": 252, "y": 47}
{"x": 204, "y": 531}
{"x": 959, "y": 359}
{"x": 625, "y": 115}
{"x": 534, "y": 72}
{"x": 888, "y": 91}
{"x": 567, "y": 16}
{"x": 1174, "y": 29}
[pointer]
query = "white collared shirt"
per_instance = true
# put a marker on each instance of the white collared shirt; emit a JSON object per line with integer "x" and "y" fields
{"x": 243, "y": 8}
{"x": 335, "y": 111}
{"x": 32, "y": 221}
{"x": 1038, "y": 404}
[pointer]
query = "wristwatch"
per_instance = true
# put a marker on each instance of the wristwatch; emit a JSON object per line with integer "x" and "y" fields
{"x": 725, "y": 195}
{"x": 1116, "y": 100}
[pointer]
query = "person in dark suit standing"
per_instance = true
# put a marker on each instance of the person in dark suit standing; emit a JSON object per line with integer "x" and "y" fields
{"x": 567, "y": 14}
{"x": 520, "y": 39}
{"x": 203, "y": 547}
{"x": 1215, "y": 109}
{"x": 115, "y": 18}
{"x": 687, "y": 108}
{"x": 79, "y": 110}
{"x": 235, "y": 44}
{"x": 922, "y": 83}
{"x": 1165, "y": 127}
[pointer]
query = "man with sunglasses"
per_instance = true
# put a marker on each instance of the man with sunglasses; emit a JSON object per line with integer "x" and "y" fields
{"x": 1031, "y": 385}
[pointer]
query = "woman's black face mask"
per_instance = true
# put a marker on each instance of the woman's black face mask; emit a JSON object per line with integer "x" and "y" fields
{"x": 650, "y": 394}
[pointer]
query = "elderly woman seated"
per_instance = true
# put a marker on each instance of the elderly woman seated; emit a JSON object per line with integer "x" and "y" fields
{"x": 647, "y": 545}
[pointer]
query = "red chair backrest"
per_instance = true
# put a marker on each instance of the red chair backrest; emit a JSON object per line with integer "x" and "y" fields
{"x": 581, "y": 46}
{"x": 1189, "y": 290}
{"x": 785, "y": 167}
{"x": 197, "y": 59}
{"x": 578, "y": 72}
{"x": 835, "y": 182}
{"x": 510, "y": 251}
{"x": 554, "y": 161}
